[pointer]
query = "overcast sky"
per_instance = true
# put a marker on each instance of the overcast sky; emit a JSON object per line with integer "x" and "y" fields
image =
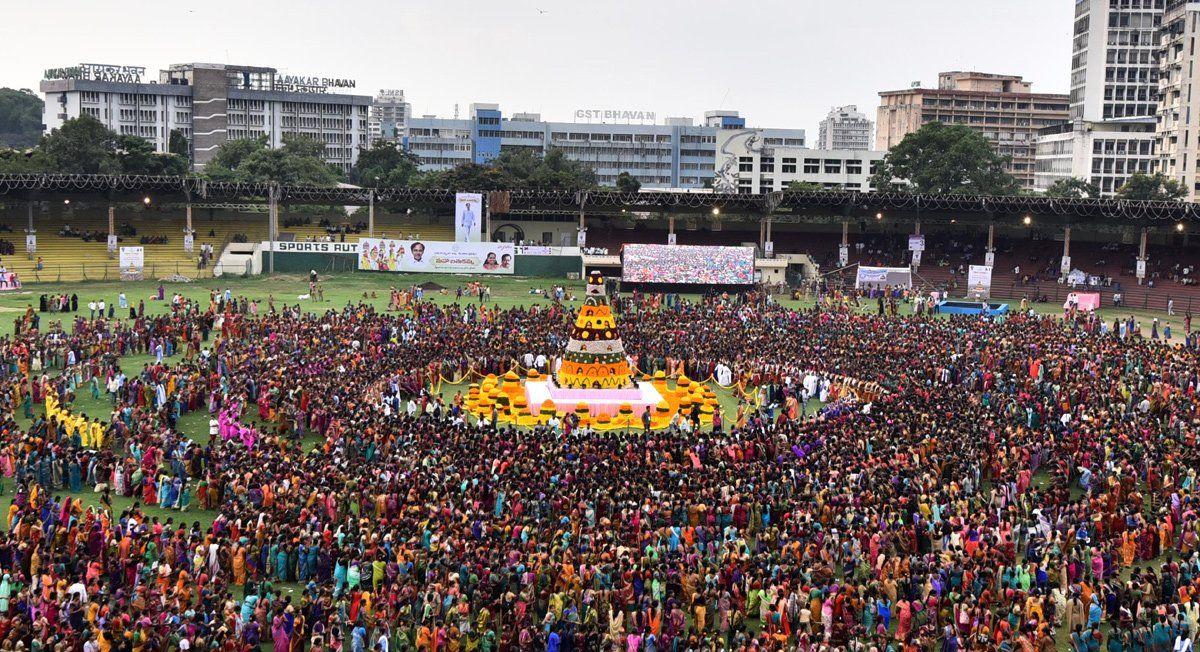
{"x": 782, "y": 63}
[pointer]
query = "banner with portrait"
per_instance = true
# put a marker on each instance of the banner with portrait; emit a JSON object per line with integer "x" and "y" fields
{"x": 468, "y": 217}
{"x": 379, "y": 255}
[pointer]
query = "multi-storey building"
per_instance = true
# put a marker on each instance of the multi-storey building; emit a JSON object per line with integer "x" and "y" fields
{"x": 1114, "y": 95}
{"x": 676, "y": 154}
{"x": 1178, "y": 137}
{"x": 1114, "y": 63}
{"x": 845, "y": 128}
{"x": 754, "y": 161}
{"x": 388, "y": 114}
{"x": 1103, "y": 153}
{"x": 211, "y": 104}
{"x": 1003, "y": 108}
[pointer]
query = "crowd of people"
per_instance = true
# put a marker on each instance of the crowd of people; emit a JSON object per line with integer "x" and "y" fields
{"x": 968, "y": 484}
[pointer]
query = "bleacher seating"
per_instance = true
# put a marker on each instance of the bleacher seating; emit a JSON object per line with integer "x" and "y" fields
{"x": 70, "y": 258}
{"x": 949, "y": 253}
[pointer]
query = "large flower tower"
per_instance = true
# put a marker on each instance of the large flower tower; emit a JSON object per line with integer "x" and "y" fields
{"x": 595, "y": 357}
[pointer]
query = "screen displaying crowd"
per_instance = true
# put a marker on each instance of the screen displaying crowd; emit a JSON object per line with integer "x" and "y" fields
{"x": 688, "y": 264}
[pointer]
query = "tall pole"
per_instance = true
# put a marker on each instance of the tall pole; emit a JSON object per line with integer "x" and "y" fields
{"x": 671, "y": 229}
{"x": 112, "y": 230}
{"x": 487, "y": 217}
{"x": 371, "y": 213}
{"x": 188, "y": 233}
{"x": 1065, "y": 268}
{"x": 272, "y": 206}
{"x": 770, "y": 244}
{"x": 30, "y": 234}
{"x": 989, "y": 255}
{"x": 916, "y": 255}
{"x": 1141, "y": 260}
{"x": 581, "y": 240}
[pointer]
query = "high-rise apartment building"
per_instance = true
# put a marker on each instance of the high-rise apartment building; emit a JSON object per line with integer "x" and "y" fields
{"x": 1003, "y": 108}
{"x": 1178, "y": 139}
{"x": 1114, "y": 97}
{"x": 389, "y": 112}
{"x": 1114, "y": 64}
{"x": 845, "y": 128}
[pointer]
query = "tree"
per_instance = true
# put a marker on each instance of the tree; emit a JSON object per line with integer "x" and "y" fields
{"x": 20, "y": 118}
{"x": 626, "y": 182}
{"x": 944, "y": 159}
{"x": 1073, "y": 188}
{"x": 298, "y": 162}
{"x": 137, "y": 156}
{"x": 81, "y": 146}
{"x": 515, "y": 169}
{"x": 178, "y": 144}
{"x": 385, "y": 166}
{"x": 1156, "y": 187}
{"x": 229, "y": 156}
{"x": 23, "y": 161}
{"x": 805, "y": 186}
{"x": 557, "y": 172}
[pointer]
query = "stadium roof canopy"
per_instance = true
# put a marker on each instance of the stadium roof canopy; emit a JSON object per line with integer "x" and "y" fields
{"x": 781, "y": 206}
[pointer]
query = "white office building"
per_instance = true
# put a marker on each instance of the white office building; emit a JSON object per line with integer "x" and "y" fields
{"x": 211, "y": 104}
{"x": 675, "y": 154}
{"x": 1178, "y": 139}
{"x": 1114, "y": 97}
{"x": 1103, "y": 153}
{"x": 759, "y": 161}
{"x": 845, "y": 128}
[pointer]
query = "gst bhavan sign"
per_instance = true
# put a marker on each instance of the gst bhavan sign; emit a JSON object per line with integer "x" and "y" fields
{"x": 607, "y": 114}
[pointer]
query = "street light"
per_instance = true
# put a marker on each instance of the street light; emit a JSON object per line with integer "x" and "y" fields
{"x": 1179, "y": 227}
{"x": 879, "y": 216}
{"x": 716, "y": 211}
{"x": 66, "y": 201}
{"x": 146, "y": 200}
{"x": 1027, "y": 220}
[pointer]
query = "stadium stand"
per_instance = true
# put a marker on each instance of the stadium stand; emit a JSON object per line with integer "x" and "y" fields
{"x": 81, "y": 253}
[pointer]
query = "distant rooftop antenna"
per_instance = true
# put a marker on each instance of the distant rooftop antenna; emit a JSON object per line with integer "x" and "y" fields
{"x": 456, "y": 110}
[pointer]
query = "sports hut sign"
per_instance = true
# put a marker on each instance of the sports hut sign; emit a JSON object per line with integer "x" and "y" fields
{"x": 315, "y": 247}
